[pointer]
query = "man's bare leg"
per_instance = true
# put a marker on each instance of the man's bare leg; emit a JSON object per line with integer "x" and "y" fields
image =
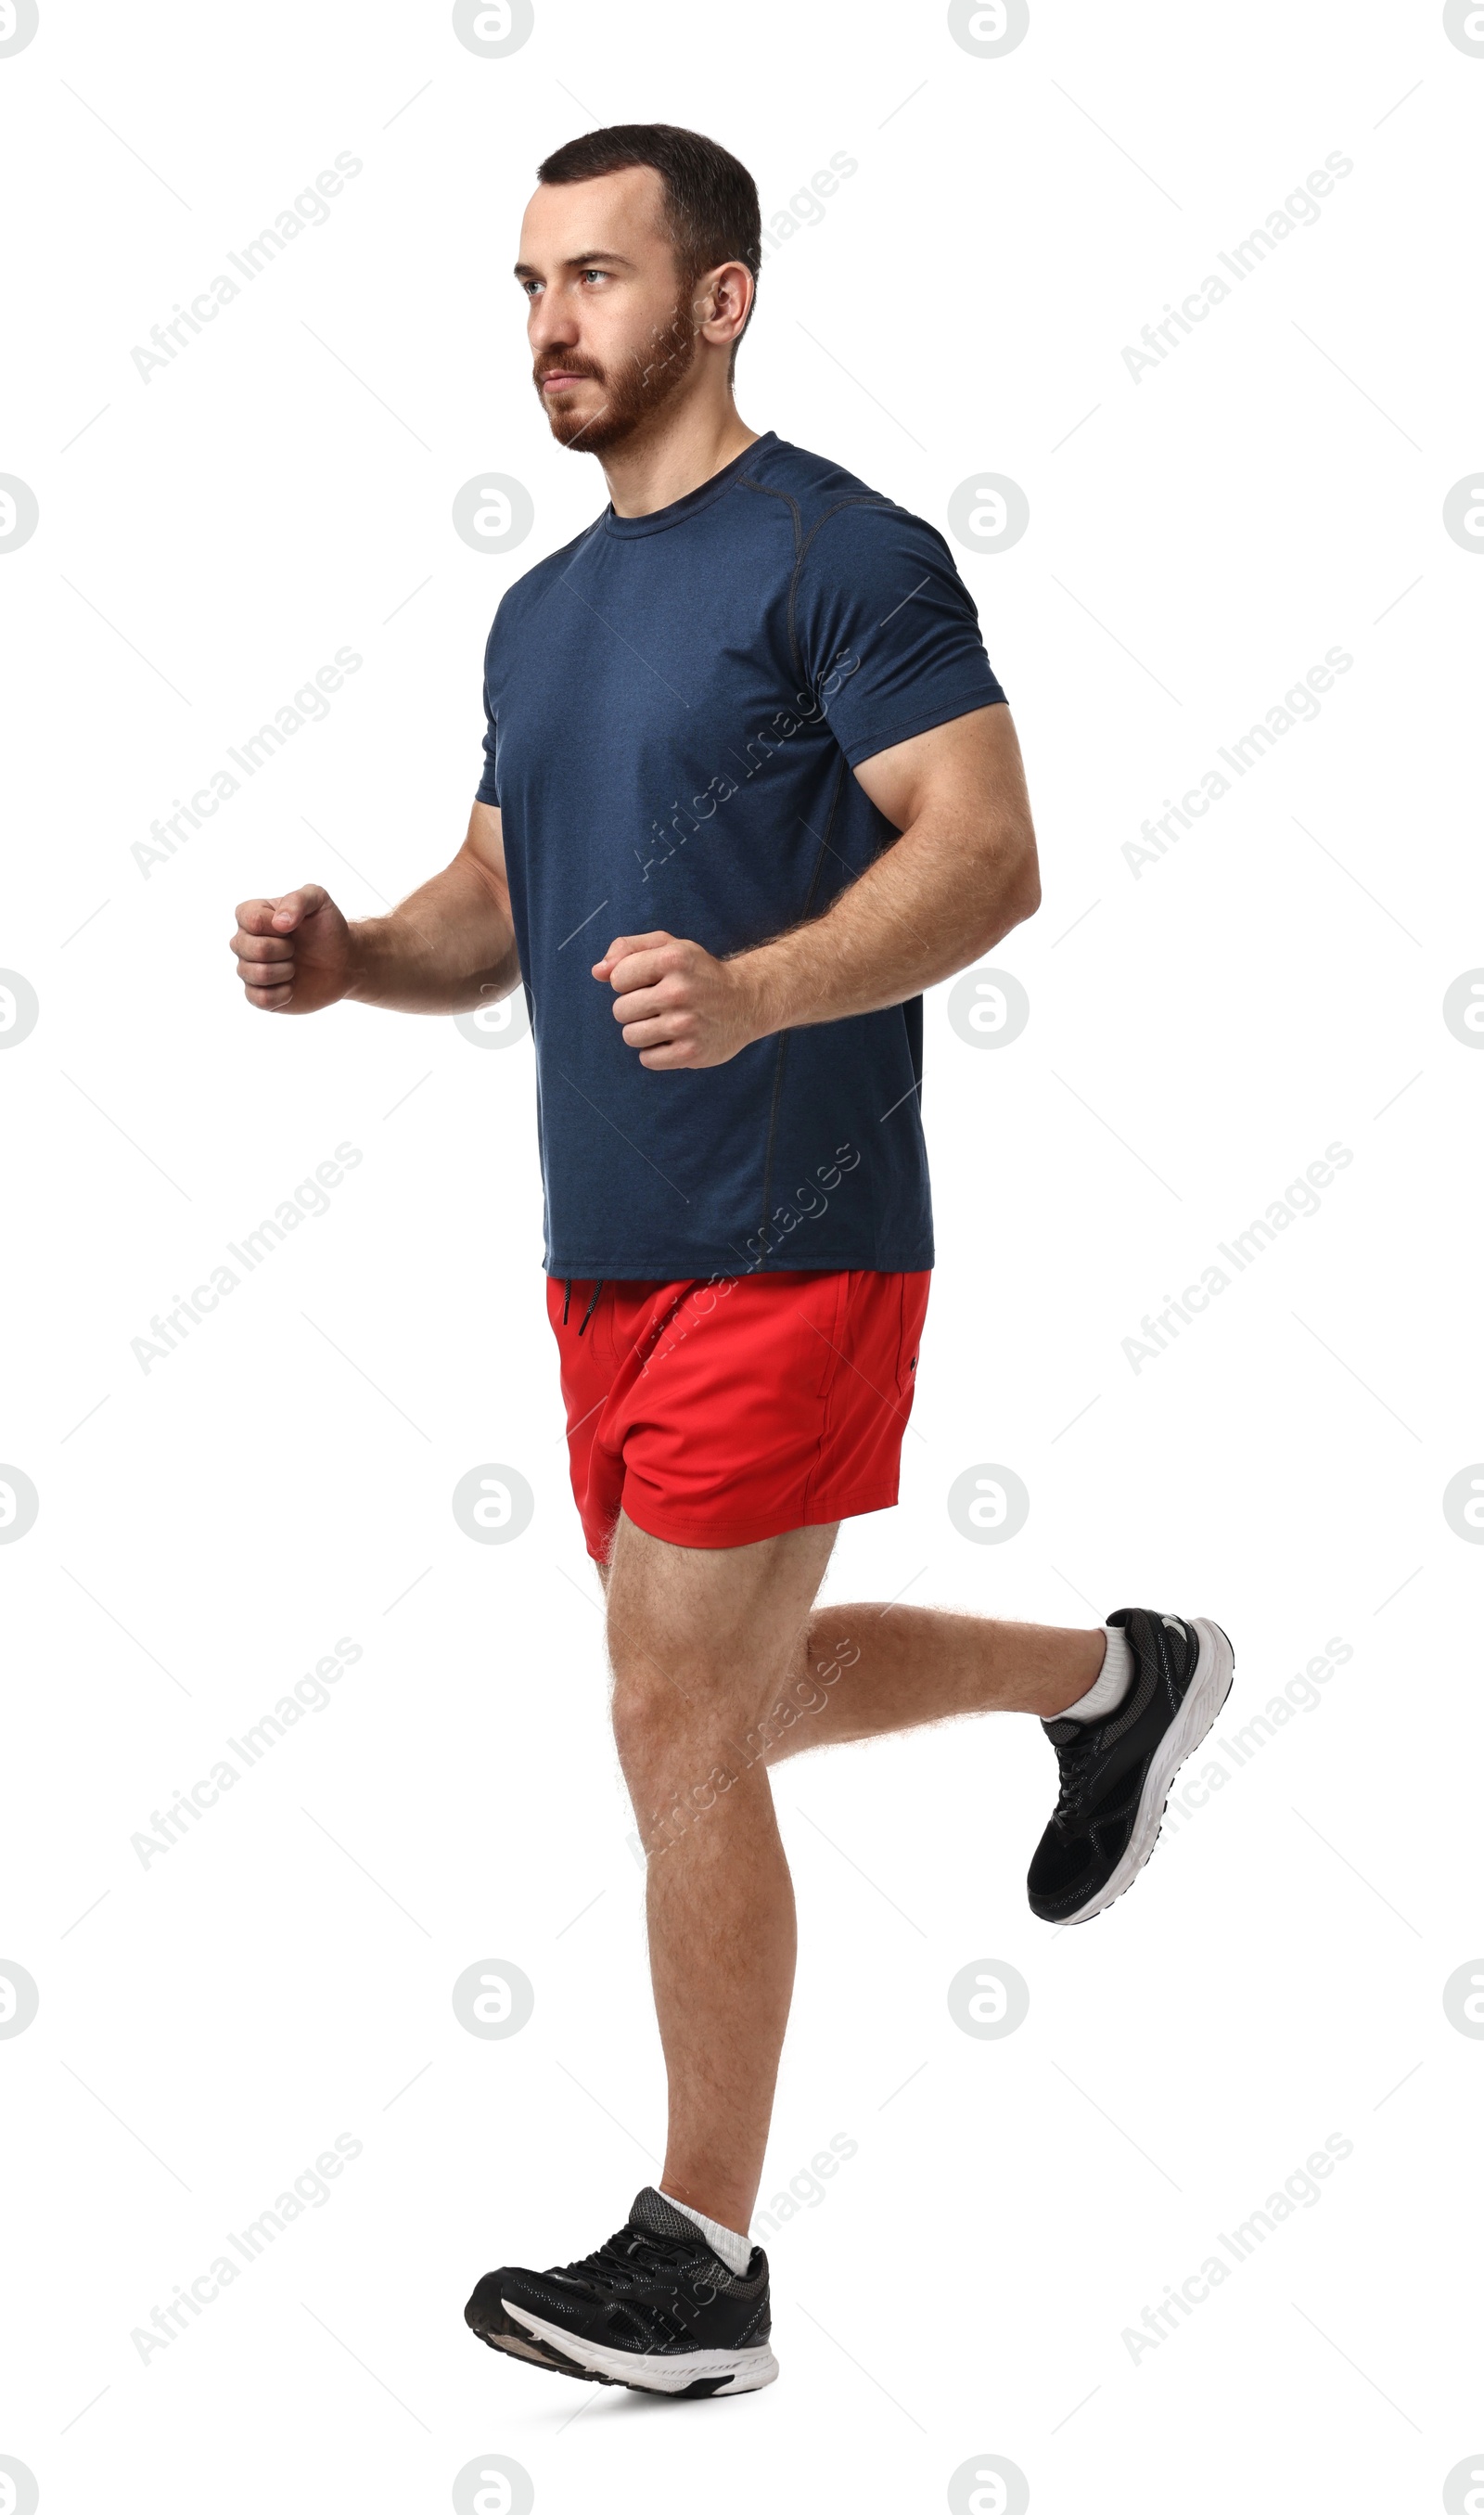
{"x": 1142, "y": 1693}
{"x": 869, "y": 1668}
{"x": 707, "y": 1647}
{"x": 703, "y": 1643}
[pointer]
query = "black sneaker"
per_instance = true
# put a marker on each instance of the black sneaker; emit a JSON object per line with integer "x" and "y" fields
{"x": 1116, "y": 1773}
{"x": 653, "y": 2308}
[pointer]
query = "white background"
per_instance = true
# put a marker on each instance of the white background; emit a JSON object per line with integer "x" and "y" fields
{"x": 208, "y": 1529}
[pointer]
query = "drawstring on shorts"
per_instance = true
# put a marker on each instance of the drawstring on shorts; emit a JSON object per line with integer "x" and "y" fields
{"x": 591, "y": 1306}
{"x": 592, "y": 1303}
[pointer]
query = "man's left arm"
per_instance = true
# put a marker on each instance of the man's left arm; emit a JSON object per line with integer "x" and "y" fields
{"x": 961, "y": 874}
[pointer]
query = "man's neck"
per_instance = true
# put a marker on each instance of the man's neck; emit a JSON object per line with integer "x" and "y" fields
{"x": 654, "y": 472}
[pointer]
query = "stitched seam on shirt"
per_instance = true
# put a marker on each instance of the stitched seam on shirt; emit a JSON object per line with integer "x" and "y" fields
{"x": 772, "y": 1115}
{"x": 761, "y": 490}
{"x": 829, "y": 824}
{"x": 772, "y": 1129}
{"x": 764, "y": 491}
{"x": 861, "y": 498}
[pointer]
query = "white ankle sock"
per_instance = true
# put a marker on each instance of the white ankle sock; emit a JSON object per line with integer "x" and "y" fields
{"x": 1111, "y": 1684}
{"x": 735, "y": 2250}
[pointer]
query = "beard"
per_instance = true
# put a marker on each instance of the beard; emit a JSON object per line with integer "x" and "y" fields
{"x": 633, "y": 393}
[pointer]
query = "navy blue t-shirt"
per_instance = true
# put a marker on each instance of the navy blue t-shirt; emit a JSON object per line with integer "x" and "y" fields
{"x": 676, "y": 703}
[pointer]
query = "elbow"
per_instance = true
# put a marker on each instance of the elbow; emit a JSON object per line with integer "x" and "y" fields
{"x": 1022, "y": 891}
{"x": 1025, "y": 896}
{"x": 1026, "y": 887}
{"x": 1017, "y": 895}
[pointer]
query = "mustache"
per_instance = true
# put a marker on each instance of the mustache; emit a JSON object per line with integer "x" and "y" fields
{"x": 554, "y": 364}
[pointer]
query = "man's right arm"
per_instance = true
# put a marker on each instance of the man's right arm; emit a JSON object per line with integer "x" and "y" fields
{"x": 446, "y": 949}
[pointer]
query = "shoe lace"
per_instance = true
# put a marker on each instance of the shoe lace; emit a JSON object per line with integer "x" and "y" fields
{"x": 1078, "y": 1760}
{"x": 632, "y": 2253}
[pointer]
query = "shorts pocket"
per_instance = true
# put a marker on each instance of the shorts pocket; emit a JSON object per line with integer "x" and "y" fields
{"x": 914, "y": 1308}
{"x": 821, "y": 1305}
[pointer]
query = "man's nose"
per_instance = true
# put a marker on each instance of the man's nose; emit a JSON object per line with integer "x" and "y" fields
{"x": 552, "y": 324}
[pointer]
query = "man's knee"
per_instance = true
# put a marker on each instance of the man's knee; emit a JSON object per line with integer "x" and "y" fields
{"x": 644, "y": 1723}
{"x": 698, "y": 1684}
{"x": 677, "y": 1769}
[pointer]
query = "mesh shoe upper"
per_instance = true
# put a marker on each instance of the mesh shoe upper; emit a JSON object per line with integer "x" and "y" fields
{"x": 1103, "y": 1764}
{"x": 654, "y": 2288}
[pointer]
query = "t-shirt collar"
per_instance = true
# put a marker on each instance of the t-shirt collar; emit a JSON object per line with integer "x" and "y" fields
{"x": 630, "y": 527}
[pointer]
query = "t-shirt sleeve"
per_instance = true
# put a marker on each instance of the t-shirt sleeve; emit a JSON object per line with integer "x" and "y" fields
{"x": 886, "y": 629}
{"x": 488, "y": 789}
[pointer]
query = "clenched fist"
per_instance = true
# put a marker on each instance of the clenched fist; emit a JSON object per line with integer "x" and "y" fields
{"x": 294, "y": 953}
{"x": 678, "y": 1004}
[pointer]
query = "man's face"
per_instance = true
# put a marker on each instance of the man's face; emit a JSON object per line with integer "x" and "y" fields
{"x": 611, "y": 330}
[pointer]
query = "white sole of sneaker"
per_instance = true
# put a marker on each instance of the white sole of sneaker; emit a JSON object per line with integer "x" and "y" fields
{"x": 746, "y": 2371}
{"x": 1205, "y": 1695}
{"x": 516, "y": 2348}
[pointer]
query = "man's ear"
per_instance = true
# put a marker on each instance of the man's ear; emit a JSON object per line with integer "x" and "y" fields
{"x": 723, "y": 297}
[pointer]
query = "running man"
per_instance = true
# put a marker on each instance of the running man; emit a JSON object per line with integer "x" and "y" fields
{"x": 744, "y": 746}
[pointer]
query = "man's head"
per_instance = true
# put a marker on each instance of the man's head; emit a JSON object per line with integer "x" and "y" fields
{"x": 640, "y": 256}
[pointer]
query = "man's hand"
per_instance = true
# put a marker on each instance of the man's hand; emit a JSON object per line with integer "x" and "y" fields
{"x": 294, "y": 953}
{"x": 961, "y": 873}
{"x": 678, "y": 1004}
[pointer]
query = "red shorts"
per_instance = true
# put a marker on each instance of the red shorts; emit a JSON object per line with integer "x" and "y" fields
{"x": 716, "y": 1412}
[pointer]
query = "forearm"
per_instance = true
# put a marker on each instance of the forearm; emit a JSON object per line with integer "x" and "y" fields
{"x": 448, "y": 948}
{"x": 961, "y": 874}
{"x": 931, "y": 905}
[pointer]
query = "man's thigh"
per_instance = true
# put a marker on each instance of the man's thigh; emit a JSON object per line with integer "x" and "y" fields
{"x": 716, "y": 1627}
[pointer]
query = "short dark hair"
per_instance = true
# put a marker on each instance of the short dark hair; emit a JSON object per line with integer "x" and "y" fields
{"x": 711, "y": 201}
